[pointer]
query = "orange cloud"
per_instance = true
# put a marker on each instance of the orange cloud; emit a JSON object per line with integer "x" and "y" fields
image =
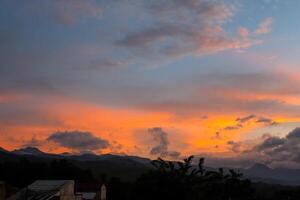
{"x": 189, "y": 132}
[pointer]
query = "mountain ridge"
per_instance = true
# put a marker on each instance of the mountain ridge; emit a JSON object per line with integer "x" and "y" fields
{"x": 130, "y": 167}
{"x": 3, "y": 150}
{"x": 28, "y": 150}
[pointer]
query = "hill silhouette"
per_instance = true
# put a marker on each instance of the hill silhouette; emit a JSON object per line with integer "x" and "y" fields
{"x": 130, "y": 167}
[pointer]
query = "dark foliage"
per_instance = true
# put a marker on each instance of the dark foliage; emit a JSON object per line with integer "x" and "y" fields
{"x": 23, "y": 172}
{"x": 166, "y": 180}
{"x": 180, "y": 180}
{"x": 265, "y": 191}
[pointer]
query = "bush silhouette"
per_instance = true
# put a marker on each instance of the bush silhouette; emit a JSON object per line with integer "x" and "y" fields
{"x": 182, "y": 180}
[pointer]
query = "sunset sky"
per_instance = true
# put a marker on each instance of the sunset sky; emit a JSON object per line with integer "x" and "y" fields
{"x": 168, "y": 78}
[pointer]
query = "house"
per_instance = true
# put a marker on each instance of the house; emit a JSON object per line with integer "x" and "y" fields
{"x": 56, "y": 190}
{"x": 47, "y": 190}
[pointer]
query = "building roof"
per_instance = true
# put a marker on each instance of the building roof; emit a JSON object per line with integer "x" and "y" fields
{"x": 46, "y": 185}
{"x": 40, "y": 190}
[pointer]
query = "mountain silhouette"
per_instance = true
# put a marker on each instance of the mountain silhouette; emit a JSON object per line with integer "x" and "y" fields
{"x": 130, "y": 167}
{"x": 3, "y": 150}
{"x": 28, "y": 151}
{"x": 259, "y": 167}
{"x": 124, "y": 167}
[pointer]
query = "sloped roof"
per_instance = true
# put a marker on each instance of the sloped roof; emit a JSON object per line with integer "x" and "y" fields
{"x": 46, "y": 185}
{"x": 40, "y": 190}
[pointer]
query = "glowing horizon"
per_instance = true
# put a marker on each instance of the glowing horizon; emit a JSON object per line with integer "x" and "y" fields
{"x": 152, "y": 78}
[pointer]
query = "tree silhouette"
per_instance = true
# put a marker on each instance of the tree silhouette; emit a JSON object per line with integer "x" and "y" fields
{"x": 183, "y": 180}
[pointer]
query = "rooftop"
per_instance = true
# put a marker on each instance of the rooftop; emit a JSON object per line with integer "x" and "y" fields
{"x": 40, "y": 190}
{"x": 46, "y": 185}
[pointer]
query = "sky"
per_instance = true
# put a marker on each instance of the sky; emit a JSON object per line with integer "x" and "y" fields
{"x": 168, "y": 78}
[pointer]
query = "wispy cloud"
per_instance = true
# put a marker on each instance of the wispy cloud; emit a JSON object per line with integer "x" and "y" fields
{"x": 266, "y": 121}
{"x": 264, "y": 27}
{"x": 245, "y": 119}
{"x": 242, "y": 122}
{"x": 185, "y": 28}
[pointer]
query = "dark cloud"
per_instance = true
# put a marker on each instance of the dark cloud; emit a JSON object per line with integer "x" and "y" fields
{"x": 270, "y": 142}
{"x": 236, "y": 127}
{"x": 161, "y": 140}
{"x": 276, "y": 150}
{"x": 79, "y": 141}
{"x": 242, "y": 121}
{"x": 295, "y": 134}
{"x": 271, "y": 150}
{"x": 245, "y": 119}
{"x": 266, "y": 121}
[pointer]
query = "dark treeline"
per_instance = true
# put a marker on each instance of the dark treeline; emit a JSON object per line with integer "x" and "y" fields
{"x": 167, "y": 180}
{"x": 23, "y": 172}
